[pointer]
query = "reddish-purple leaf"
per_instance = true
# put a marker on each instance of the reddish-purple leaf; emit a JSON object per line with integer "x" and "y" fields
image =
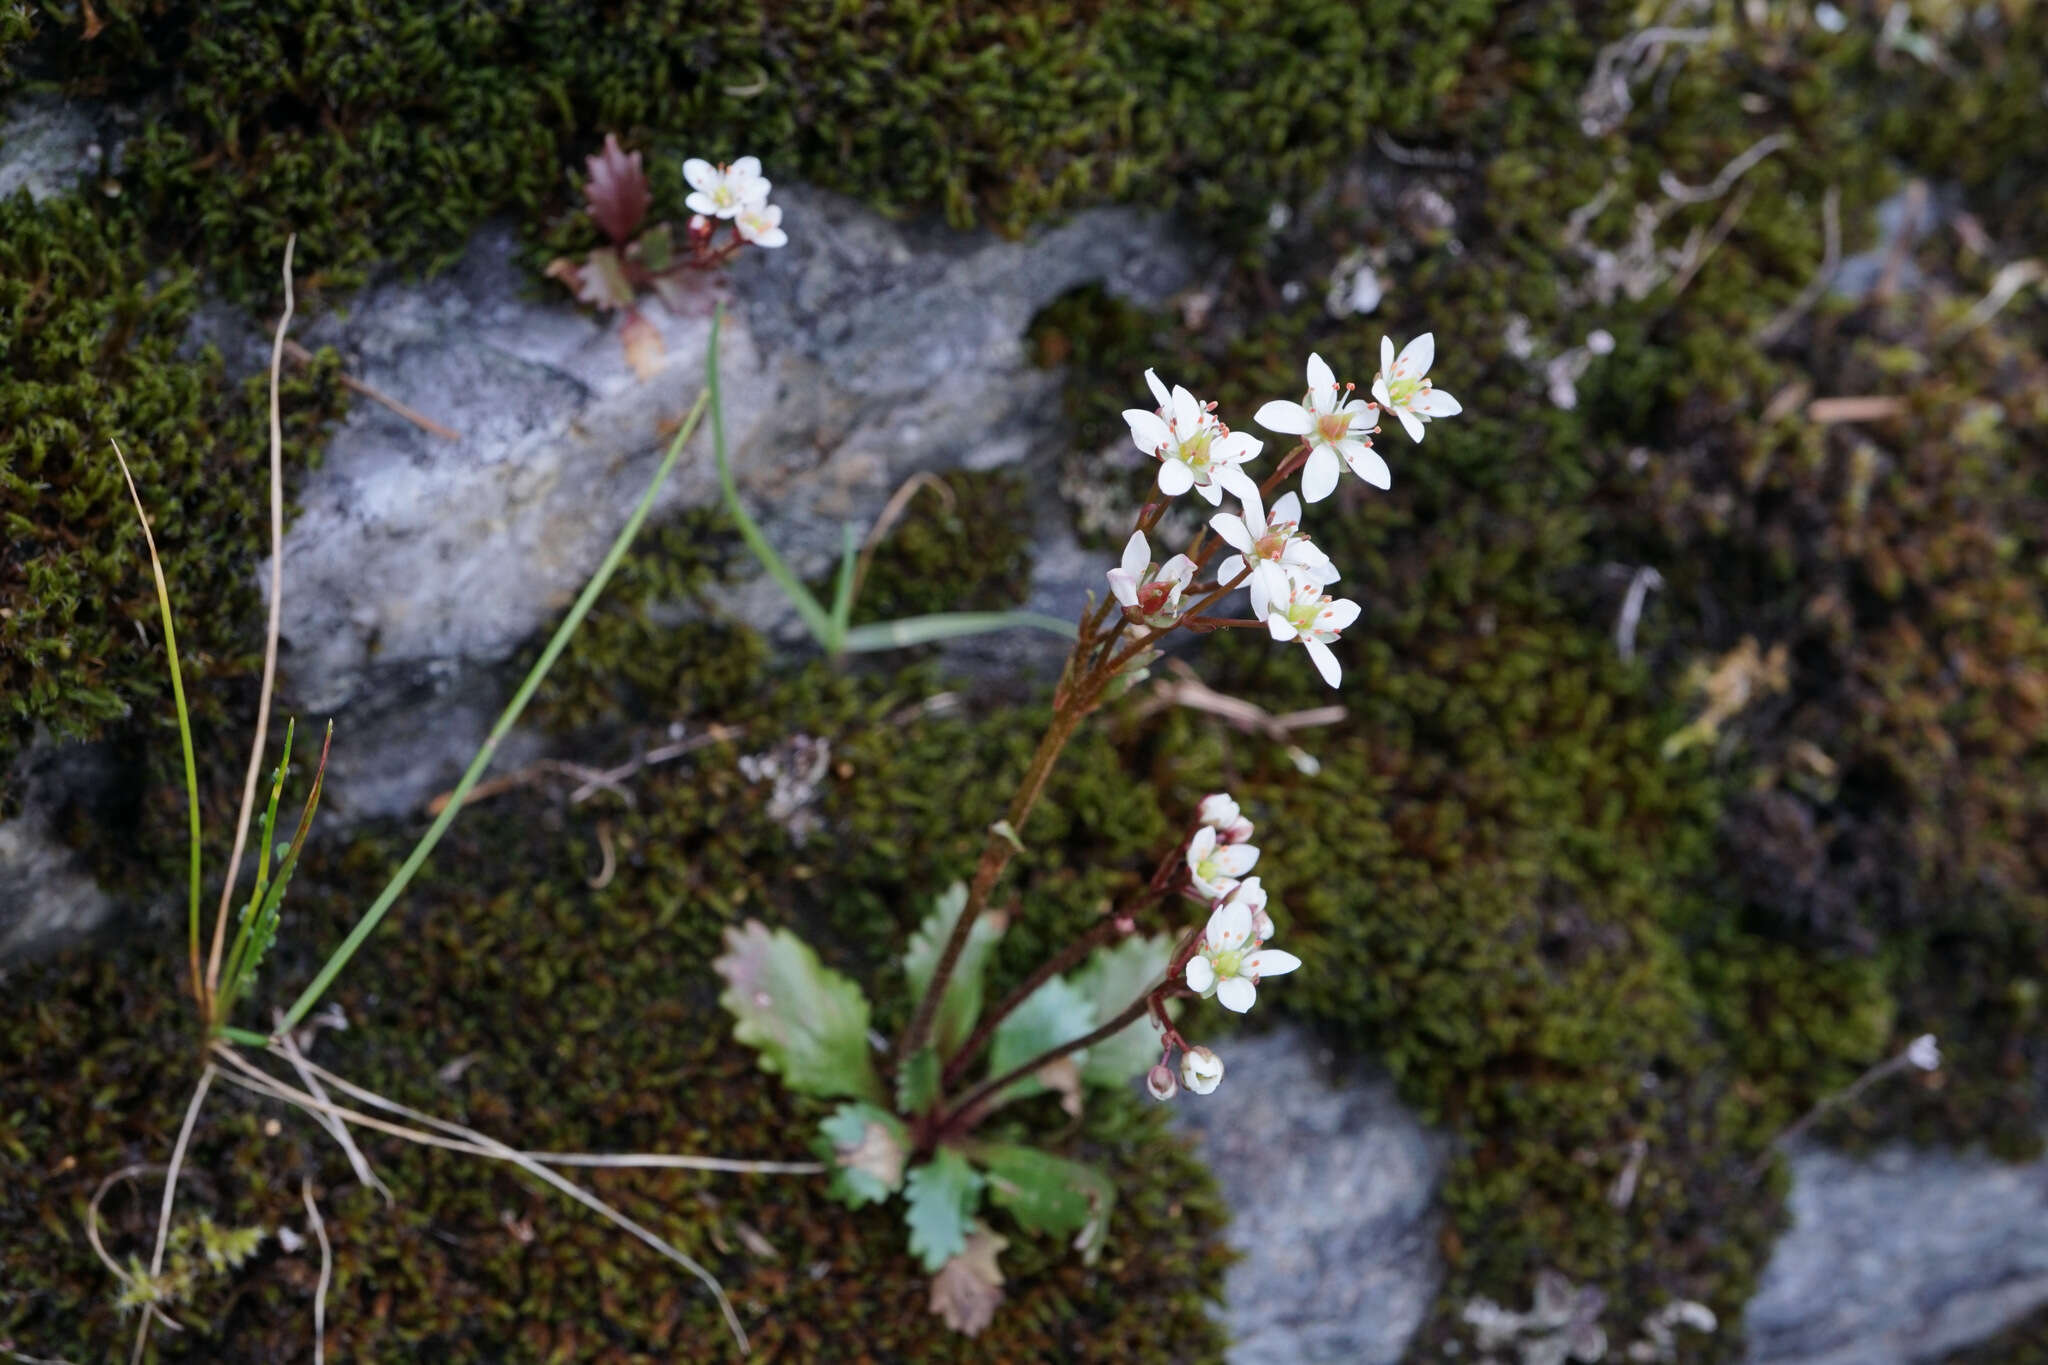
{"x": 617, "y": 192}
{"x": 602, "y": 280}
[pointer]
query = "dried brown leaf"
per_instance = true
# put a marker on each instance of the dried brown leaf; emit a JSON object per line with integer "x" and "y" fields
{"x": 644, "y": 349}
{"x": 969, "y": 1287}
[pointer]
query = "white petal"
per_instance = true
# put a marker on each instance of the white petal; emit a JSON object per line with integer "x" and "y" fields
{"x": 1175, "y": 478}
{"x": 1236, "y": 994}
{"x": 1219, "y": 810}
{"x": 1137, "y": 555}
{"x": 1180, "y": 571}
{"x": 1123, "y": 587}
{"x": 1159, "y": 393}
{"x": 1270, "y": 962}
{"x": 1147, "y": 430}
{"x": 1211, "y": 492}
{"x": 1234, "y": 860}
{"x": 703, "y": 203}
{"x": 1233, "y": 480}
{"x": 1325, "y": 662}
{"x": 1287, "y": 509}
{"x": 701, "y": 174}
{"x": 1262, "y": 600}
{"x": 1410, "y": 423}
{"x": 1319, "y": 376}
{"x": 1417, "y": 356}
{"x": 1319, "y": 475}
{"x": 1437, "y": 403}
{"x": 1289, "y": 419}
{"x": 1201, "y": 976}
{"x": 1279, "y": 625}
{"x": 772, "y": 237}
{"x": 1230, "y": 927}
{"x": 1230, "y": 526}
{"x": 1379, "y": 392}
{"x": 1368, "y": 465}
{"x": 1201, "y": 845}
{"x": 1338, "y": 615}
{"x": 1228, "y": 568}
{"x": 1252, "y": 894}
{"x": 1269, "y": 582}
{"x": 746, "y": 168}
{"x": 1386, "y": 354}
{"x": 1235, "y": 448}
{"x": 1187, "y": 413}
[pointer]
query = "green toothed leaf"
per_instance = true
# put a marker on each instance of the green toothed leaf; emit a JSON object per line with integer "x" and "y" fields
{"x": 808, "y": 1022}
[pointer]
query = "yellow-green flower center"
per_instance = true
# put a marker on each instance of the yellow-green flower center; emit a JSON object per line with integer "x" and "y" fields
{"x": 1403, "y": 391}
{"x": 1226, "y": 964}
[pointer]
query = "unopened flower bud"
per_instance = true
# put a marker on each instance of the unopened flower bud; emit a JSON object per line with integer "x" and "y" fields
{"x": 700, "y": 227}
{"x": 1201, "y": 1069}
{"x": 1160, "y": 1084}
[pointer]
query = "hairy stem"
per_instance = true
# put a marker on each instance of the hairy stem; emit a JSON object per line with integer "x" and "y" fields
{"x": 1084, "y": 943}
{"x": 973, "y": 1105}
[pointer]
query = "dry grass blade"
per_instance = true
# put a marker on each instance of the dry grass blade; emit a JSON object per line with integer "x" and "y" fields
{"x": 288, "y": 1048}
{"x": 326, "y": 1271}
{"x": 163, "y": 1223}
{"x": 469, "y": 1140}
{"x": 275, "y": 624}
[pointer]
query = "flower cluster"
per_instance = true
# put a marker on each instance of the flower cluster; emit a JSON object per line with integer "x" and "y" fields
{"x": 653, "y": 258}
{"x": 738, "y": 192}
{"x": 1283, "y": 569}
{"x": 1228, "y": 958}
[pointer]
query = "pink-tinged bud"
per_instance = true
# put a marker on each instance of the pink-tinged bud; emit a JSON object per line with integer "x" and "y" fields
{"x": 1160, "y": 1082}
{"x": 1126, "y": 925}
{"x": 700, "y": 227}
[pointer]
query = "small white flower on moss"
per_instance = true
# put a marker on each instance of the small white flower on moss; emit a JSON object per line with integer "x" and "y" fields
{"x": 1228, "y": 966}
{"x": 1151, "y": 593}
{"x": 1338, "y": 429}
{"x": 1160, "y": 1084}
{"x": 1220, "y": 813}
{"x": 1924, "y": 1053}
{"x": 1194, "y": 450}
{"x": 1403, "y": 386}
{"x": 1269, "y": 542}
{"x": 1214, "y": 866}
{"x": 1201, "y": 1069}
{"x": 761, "y": 224}
{"x": 1309, "y": 615}
{"x": 725, "y": 191}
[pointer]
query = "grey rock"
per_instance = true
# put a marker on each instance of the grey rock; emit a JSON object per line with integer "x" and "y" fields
{"x": 47, "y": 145}
{"x": 1331, "y": 1183}
{"x": 860, "y": 354}
{"x": 47, "y": 898}
{"x": 1900, "y": 1258}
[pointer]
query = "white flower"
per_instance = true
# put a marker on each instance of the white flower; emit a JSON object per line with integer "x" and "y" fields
{"x": 761, "y": 224}
{"x": 1194, "y": 449}
{"x": 1221, "y": 814}
{"x": 1306, "y": 613}
{"x": 724, "y": 191}
{"x": 1201, "y": 1069}
{"x": 1151, "y": 592}
{"x": 1403, "y": 388}
{"x": 1214, "y": 867}
{"x": 1160, "y": 1084}
{"x": 1224, "y": 969}
{"x": 1252, "y": 897}
{"x": 1269, "y": 543}
{"x": 1338, "y": 431}
{"x": 1924, "y": 1053}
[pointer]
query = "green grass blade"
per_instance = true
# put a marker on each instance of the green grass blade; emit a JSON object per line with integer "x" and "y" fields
{"x": 842, "y": 591}
{"x": 267, "y": 849}
{"x": 259, "y": 925}
{"x": 921, "y": 630}
{"x": 163, "y": 604}
{"x": 814, "y": 617}
{"x": 510, "y": 716}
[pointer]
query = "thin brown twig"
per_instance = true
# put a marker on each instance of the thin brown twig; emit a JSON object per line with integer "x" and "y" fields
{"x": 326, "y": 1270}
{"x": 276, "y": 623}
{"x": 611, "y": 858}
{"x": 92, "y": 1233}
{"x": 1188, "y": 690}
{"x": 299, "y": 355}
{"x": 593, "y": 780}
{"x": 892, "y": 512}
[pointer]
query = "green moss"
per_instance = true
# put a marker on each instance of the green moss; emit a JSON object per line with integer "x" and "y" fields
{"x": 2023, "y": 1344}
{"x": 588, "y": 1021}
{"x": 963, "y": 544}
{"x": 389, "y": 132}
{"x": 90, "y": 341}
